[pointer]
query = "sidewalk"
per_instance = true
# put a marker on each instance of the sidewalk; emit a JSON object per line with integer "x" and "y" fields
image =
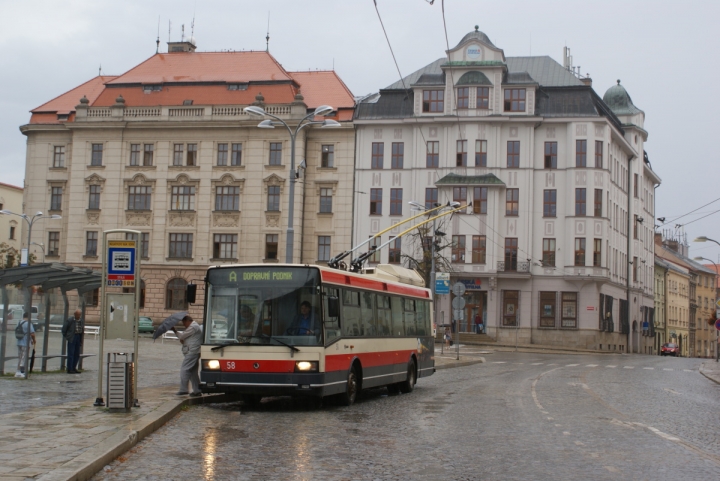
{"x": 711, "y": 370}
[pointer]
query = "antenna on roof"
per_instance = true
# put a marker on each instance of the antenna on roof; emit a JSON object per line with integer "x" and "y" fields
{"x": 182, "y": 33}
{"x": 169, "y": 29}
{"x": 267, "y": 37}
{"x": 100, "y": 70}
{"x": 192, "y": 24}
{"x": 157, "y": 42}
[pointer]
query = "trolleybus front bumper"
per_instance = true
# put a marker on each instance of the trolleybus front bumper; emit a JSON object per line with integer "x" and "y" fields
{"x": 272, "y": 384}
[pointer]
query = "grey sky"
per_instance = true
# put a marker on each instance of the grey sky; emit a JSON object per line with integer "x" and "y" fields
{"x": 664, "y": 52}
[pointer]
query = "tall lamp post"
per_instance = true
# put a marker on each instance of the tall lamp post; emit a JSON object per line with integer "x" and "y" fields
{"x": 700, "y": 258}
{"x": 24, "y": 259}
{"x": 321, "y": 111}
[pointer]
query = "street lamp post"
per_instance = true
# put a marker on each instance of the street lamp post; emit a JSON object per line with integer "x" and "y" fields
{"x": 41, "y": 246}
{"x": 700, "y": 258}
{"x": 24, "y": 259}
{"x": 321, "y": 111}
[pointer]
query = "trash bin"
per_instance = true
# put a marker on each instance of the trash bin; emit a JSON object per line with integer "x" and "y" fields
{"x": 120, "y": 376}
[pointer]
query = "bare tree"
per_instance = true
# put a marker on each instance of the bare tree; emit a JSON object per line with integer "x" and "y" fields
{"x": 420, "y": 244}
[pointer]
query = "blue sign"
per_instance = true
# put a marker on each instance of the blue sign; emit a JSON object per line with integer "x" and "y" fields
{"x": 442, "y": 283}
{"x": 472, "y": 284}
{"x": 121, "y": 261}
{"x": 646, "y": 326}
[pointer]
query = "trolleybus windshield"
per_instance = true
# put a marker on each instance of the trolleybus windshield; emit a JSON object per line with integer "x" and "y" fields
{"x": 259, "y": 305}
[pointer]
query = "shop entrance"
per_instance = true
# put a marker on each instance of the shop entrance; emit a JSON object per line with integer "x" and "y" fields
{"x": 475, "y": 310}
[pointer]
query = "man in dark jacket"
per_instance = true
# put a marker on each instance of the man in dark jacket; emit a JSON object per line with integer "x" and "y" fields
{"x": 72, "y": 331}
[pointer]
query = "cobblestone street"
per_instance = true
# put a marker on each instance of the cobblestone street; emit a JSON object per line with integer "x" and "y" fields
{"x": 519, "y": 416}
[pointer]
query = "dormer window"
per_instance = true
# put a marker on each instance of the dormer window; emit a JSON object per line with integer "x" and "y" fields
{"x": 433, "y": 101}
{"x": 237, "y": 86}
{"x": 152, "y": 88}
{"x": 514, "y": 100}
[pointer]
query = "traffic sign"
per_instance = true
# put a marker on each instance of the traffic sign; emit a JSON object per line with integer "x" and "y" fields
{"x": 121, "y": 263}
{"x": 717, "y": 303}
{"x": 458, "y": 288}
{"x": 717, "y": 324}
{"x": 458, "y": 314}
{"x": 645, "y": 326}
{"x": 458, "y": 303}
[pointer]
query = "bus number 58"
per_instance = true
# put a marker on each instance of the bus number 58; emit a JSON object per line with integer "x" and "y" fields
{"x": 230, "y": 365}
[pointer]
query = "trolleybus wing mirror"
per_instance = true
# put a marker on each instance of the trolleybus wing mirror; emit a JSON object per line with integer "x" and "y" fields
{"x": 191, "y": 293}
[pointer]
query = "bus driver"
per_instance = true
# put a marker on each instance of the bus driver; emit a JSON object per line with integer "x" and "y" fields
{"x": 305, "y": 323}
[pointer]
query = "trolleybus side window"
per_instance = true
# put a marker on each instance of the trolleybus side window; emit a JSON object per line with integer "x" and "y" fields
{"x": 398, "y": 324}
{"x": 410, "y": 317}
{"x": 332, "y": 323}
{"x": 367, "y": 307}
{"x": 423, "y": 318}
{"x": 350, "y": 313}
{"x": 384, "y": 316}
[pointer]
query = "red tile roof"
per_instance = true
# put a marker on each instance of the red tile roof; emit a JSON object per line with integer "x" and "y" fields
{"x": 66, "y": 102}
{"x": 205, "y": 67}
{"x": 324, "y": 88}
{"x": 203, "y": 77}
{"x": 199, "y": 94}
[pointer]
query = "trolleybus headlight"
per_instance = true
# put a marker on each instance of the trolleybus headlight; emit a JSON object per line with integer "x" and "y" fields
{"x": 306, "y": 366}
{"x": 211, "y": 365}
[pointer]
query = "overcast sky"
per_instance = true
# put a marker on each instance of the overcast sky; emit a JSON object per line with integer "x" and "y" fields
{"x": 664, "y": 52}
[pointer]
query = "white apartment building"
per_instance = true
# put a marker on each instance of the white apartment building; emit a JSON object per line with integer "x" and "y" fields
{"x": 167, "y": 149}
{"x": 557, "y": 245}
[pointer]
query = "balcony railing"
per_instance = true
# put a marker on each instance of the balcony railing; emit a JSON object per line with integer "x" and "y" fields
{"x": 518, "y": 266}
{"x": 205, "y": 113}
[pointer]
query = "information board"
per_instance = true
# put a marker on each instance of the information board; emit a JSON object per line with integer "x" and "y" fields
{"x": 121, "y": 263}
{"x": 442, "y": 283}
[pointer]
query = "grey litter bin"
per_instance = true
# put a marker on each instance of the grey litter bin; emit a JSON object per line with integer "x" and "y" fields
{"x": 120, "y": 380}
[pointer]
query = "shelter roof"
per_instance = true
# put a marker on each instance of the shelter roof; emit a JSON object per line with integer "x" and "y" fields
{"x": 455, "y": 179}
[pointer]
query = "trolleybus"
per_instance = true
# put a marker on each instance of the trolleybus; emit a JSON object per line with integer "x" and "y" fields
{"x": 362, "y": 330}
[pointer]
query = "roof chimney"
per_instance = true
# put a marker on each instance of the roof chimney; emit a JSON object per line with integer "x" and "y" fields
{"x": 587, "y": 81}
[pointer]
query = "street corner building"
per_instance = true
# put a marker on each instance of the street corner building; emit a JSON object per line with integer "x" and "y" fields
{"x": 167, "y": 149}
{"x": 556, "y": 246}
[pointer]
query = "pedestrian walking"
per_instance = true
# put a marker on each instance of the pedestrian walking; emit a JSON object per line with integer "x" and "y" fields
{"x": 72, "y": 330}
{"x": 22, "y": 343}
{"x": 191, "y": 340}
{"x": 448, "y": 337}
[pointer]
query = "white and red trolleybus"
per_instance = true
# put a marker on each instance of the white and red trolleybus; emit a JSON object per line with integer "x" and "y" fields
{"x": 365, "y": 330}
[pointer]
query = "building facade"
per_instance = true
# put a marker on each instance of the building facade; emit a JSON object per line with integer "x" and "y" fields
{"x": 167, "y": 149}
{"x": 554, "y": 247}
{"x": 660, "y": 274}
{"x": 11, "y": 227}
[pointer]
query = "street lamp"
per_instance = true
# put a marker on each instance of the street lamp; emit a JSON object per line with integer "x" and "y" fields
{"x": 321, "y": 111}
{"x": 702, "y": 238}
{"x": 41, "y": 246}
{"x": 24, "y": 258}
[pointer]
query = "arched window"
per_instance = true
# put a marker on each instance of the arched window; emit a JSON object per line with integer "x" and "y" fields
{"x": 175, "y": 294}
{"x": 131, "y": 290}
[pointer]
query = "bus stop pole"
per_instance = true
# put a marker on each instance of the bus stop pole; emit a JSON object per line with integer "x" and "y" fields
{"x": 103, "y": 316}
{"x": 136, "y": 319}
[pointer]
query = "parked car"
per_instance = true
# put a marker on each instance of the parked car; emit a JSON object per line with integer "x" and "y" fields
{"x": 670, "y": 349}
{"x": 145, "y": 324}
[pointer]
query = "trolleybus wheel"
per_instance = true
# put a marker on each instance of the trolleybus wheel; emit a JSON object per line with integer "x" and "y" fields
{"x": 348, "y": 397}
{"x": 408, "y": 385}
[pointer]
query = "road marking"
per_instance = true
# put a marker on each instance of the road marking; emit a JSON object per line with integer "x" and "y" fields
{"x": 518, "y": 363}
{"x": 649, "y": 368}
{"x": 537, "y": 363}
{"x": 688, "y": 370}
{"x": 571, "y": 365}
{"x": 610, "y": 366}
{"x": 612, "y": 469}
{"x": 628, "y": 367}
{"x": 670, "y": 390}
{"x": 553, "y": 364}
{"x": 580, "y": 443}
{"x": 499, "y": 362}
{"x": 667, "y": 369}
{"x": 592, "y": 365}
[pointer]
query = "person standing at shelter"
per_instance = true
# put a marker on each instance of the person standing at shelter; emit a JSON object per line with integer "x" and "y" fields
{"x": 22, "y": 343}
{"x": 72, "y": 331}
{"x": 191, "y": 340}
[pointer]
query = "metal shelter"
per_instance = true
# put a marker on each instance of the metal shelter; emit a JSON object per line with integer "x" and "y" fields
{"x": 47, "y": 276}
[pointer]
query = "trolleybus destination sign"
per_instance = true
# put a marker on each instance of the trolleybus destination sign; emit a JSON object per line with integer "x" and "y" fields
{"x": 121, "y": 263}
